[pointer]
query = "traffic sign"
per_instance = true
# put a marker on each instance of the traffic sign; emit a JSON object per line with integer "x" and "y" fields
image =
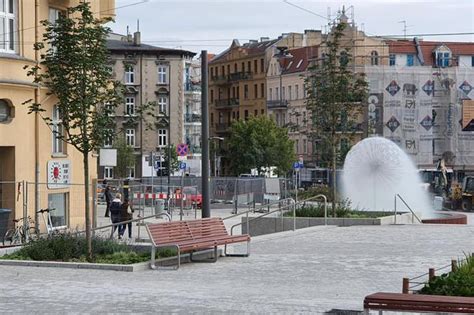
{"x": 296, "y": 165}
{"x": 157, "y": 165}
{"x": 182, "y": 149}
{"x": 182, "y": 165}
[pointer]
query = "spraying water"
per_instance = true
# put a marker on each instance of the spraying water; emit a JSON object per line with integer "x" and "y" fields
{"x": 375, "y": 170}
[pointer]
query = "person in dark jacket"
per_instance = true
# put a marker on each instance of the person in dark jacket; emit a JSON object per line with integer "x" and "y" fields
{"x": 108, "y": 198}
{"x": 116, "y": 213}
{"x": 126, "y": 215}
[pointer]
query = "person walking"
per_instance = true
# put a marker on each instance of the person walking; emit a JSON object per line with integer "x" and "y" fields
{"x": 116, "y": 214}
{"x": 126, "y": 215}
{"x": 108, "y": 198}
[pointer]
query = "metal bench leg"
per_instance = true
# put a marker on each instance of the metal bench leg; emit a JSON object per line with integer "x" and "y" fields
{"x": 213, "y": 259}
{"x": 238, "y": 255}
{"x": 153, "y": 261}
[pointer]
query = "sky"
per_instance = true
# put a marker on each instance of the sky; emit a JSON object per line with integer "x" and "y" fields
{"x": 211, "y": 25}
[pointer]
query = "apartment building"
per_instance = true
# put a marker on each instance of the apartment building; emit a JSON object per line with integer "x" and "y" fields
{"x": 29, "y": 151}
{"x": 167, "y": 78}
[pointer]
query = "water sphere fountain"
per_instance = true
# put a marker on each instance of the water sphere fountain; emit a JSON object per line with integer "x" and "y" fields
{"x": 375, "y": 170}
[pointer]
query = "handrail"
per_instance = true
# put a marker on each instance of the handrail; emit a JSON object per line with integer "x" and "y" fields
{"x": 280, "y": 209}
{"x": 404, "y": 202}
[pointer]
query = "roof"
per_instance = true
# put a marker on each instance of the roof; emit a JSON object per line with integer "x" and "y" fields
{"x": 252, "y": 48}
{"x": 299, "y": 60}
{"x": 427, "y": 48}
{"x": 122, "y": 46}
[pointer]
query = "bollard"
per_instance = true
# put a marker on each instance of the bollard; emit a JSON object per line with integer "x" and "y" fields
{"x": 431, "y": 274}
{"x": 454, "y": 265}
{"x": 405, "y": 285}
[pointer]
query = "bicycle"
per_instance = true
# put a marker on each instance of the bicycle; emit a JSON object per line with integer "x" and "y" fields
{"x": 22, "y": 232}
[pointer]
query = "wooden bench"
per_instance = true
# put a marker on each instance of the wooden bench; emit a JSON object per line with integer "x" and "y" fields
{"x": 418, "y": 302}
{"x": 192, "y": 236}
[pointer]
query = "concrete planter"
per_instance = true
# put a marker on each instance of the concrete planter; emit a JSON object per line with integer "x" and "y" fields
{"x": 268, "y": 225}
{"x": 169, "y": 261}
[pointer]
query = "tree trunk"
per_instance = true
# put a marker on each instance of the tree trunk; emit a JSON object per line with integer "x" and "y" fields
{"x": 87, "y": 205}
{"x": 334, "y": 190}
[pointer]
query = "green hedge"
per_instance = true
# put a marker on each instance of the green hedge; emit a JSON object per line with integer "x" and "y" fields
{"x": 458, "y": 283}
{"x": 343, "y": 210}
{"x": 72, "y": 248}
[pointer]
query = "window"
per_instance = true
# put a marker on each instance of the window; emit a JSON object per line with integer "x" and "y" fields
{"x": 246, "y": 114}
{"x": 228, "y": 69}
{"x": 289, "y": 93}
{"x": 344, "y": 59}
{"x": 238, "y": 92}
{"x": 249, "y": 66}
{"x": 130, "y": 105}
{"x": 262, "y": 90}
{"x": 223, "y": 70}
{"x": 297, "y": 92}
{"x": 59, "y": 202}
{"x": 262, "y": 111}
{"x": 212, "y": 96}
{"x": 163, "y": 104}
{"x": 58, "y": 131}
{"x": 163, "y": 137}
{"x": 255, "y": 113}
{"x": 305, "y": 146}
{"x": 235, "y": 67}
{"x": 410, "y": 60}
{"x": 255, "y": 62}
{"x": 374, "y": 58}
{"x": 212, "y": 72}
{"x": 255, "y": 91}
{"x": 131, "y": 172}
{"x": 297, "y": 146}
{"x": 129, "y": 74}
{"x": 392, "y": 60}
{"x": 108, "y": 172}
{"x": 270, "y": 94}
{"x": 283, "y": 95}
{"x": 162, "y": 77}
{"x": 243, "y": 66}
{"x": 277, "y": 94}
{"x": 8, "y": 26}
{"x": 5, "y": 111}
{"x": 442, "y": 58}
{"x": 130, "y": 137}
{"x": 246, "y": 91}
{"x": 262, "y": 65}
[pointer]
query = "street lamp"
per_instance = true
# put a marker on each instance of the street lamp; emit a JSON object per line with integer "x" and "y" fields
{"x": 282, "y": 54}
{"x": 215, "y": 153}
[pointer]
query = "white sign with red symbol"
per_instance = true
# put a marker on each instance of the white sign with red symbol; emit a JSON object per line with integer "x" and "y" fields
{"x": 59, "y": 174}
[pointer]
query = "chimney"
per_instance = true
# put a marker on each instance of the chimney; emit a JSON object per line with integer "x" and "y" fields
{"x": 264, "y": 39}
{"x": 136, "y": 39}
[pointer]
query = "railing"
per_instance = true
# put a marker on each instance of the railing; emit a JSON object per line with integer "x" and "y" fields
{"x": 192, "y": 118}
{"x": 219, "y": 79}
{"x": 406, "y": 205}
{"x": 277, "y": 103}
{"x": 227, "y": 102}
{"x": 280, "y": 209}
{"x": 240, "y": 76}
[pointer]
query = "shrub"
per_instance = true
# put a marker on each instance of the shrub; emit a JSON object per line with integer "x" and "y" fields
{"x": 70, "y": 247}
{"x": 343, "y": 210}
{"x": 316, "y": 190}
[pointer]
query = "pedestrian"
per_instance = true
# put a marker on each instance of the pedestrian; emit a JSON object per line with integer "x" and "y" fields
{"x": 108, "y": 198}
{"x": 126, "y": 215}
{"x": 116, "y": 214}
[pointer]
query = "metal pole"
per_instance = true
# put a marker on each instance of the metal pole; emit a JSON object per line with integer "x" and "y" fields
{"x": 182, "y": 195}
{"x": 206, "y": 211}
{"x": 395, "y": 210}
{"x": 169, "y": 133}
{"x": 152, "y": 155}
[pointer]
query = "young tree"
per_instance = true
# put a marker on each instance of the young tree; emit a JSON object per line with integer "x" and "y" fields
{"x": 335, "y": 95}
{"x": 125, "y": 157}
{"x": 174, "y": 159}
{"x": 74, "y": 69}
{"x": 260, "y": 144}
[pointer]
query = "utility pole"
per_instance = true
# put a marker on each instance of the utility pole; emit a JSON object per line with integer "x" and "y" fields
{"x": 206, "y": 210}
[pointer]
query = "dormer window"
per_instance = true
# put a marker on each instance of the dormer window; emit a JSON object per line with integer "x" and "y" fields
{"x": 374, "y": 58}
{"x": 442, "y": 56}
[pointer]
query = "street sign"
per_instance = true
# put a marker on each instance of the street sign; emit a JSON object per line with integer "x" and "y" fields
{"x": 182, "y": 149}
{"x": 182, "y": 166}
{"x": 296, "y": 165}
{"x": 157, "y": 165}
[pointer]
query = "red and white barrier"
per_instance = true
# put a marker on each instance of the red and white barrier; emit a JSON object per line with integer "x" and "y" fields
{"x": 158, "y": 196}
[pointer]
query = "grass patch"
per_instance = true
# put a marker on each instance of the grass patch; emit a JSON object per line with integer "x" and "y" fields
{"x": 343, "y": 210}
{"x": 458, "y": 283}
{"x": 72, "y": 248}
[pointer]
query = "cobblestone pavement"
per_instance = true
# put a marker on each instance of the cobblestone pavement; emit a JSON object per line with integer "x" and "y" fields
{"x": 308, "y": 271}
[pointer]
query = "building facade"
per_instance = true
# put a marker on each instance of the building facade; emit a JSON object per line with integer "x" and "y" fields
{"x": 166, "y": 78}
{"x": 37, "y": 170}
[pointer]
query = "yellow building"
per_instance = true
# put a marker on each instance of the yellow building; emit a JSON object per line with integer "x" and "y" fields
{"x": 29, "y": 151}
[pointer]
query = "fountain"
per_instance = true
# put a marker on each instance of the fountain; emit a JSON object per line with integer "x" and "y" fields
{"x": 375, "y": 170}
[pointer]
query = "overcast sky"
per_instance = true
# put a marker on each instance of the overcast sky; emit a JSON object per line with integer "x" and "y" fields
{"x": 196, "y": 25}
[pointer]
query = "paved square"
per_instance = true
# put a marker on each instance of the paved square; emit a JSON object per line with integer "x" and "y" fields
{"x": 308, "y": 271}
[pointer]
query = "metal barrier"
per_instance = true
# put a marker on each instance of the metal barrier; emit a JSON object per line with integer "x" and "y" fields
{"x": 404, "y": 202}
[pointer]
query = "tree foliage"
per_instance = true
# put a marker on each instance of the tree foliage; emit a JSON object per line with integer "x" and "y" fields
{"x": 335, "y": 95}
{"x": 258, "y": 143}
{"x": 125, "y": 157}
{"x": 74, "y": 69}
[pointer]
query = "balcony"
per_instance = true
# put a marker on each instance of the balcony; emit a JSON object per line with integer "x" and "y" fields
{"x": 277, "y": 104}
{"x": 192, "y": 118}
{"x": 220, "y": 79}
{"x": 226, "y": 103}
{"x": 238, "y": 76}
